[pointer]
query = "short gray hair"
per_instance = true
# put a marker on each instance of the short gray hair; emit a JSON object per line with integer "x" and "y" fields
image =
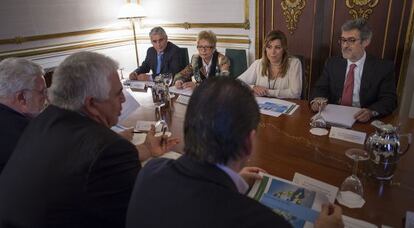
{"x": 81, "y": 75}
{"x": 361, "y": 25}
{"x": 158, "y": 31}
{"x": 17, "y": 74}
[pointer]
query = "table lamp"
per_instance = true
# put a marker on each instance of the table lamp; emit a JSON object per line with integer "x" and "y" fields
{"x": 132, "y": 11}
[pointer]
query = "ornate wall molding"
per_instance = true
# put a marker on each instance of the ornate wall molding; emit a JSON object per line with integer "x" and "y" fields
{"x": 292, "y": 9}
{"x": 361, "y": 8}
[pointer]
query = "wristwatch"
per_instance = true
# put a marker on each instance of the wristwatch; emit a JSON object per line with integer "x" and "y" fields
{"x": 374, "y": 114}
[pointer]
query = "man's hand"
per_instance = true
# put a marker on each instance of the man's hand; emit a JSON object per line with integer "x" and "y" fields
{"x": 363, "y": 115}
{"x": 139, "y": 77}
{"x": 251, "y": 174}
{"x": 318, "y": 103}
{"x": 330, "y": 217}
{"x": 154, "y": 145}
{"x": 259, "y": 91}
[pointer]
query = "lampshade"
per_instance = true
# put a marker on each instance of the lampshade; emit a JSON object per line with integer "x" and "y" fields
{"x": 131, "y": 10}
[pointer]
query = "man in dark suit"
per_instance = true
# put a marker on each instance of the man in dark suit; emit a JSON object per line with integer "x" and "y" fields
{"x": 162, "y": 57}
{"x": 69, "y": 169}
{"x": 22, "y": 96}
{"x": 357, "y": 79}
{"x": 206, "y": 186}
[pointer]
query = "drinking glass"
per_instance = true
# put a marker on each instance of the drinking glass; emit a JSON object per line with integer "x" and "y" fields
{"x": 317, "y": 120}
{"x": 351, "y": 190}
{"x": 167, "y": 78}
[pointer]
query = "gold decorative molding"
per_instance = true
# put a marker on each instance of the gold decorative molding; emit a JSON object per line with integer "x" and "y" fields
{"x": 70, "y": 46}
{"x": 187, "y": 25}
{"x": 361, "y": 8}
{"x": 23, "y": 39}
{"x": 292, "y": 9}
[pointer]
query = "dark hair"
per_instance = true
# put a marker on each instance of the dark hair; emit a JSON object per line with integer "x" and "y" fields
{"x": 220, "y": 115}
{"x": 271, "y": 36}
{"x": 360, "y": 24}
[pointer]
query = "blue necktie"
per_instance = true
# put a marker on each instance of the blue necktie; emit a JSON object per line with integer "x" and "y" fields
{"x": 159, "y": 61}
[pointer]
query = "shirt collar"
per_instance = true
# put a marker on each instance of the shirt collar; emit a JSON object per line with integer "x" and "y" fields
{"x": 360, "y": 62}
{"x": 240, "y": 183}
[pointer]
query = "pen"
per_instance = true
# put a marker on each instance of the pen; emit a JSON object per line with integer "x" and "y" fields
{"x": 162, "y": 137}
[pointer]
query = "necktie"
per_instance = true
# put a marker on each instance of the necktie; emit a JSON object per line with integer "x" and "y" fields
{"x": 348, "y": 87}
{"x": 159, "y": 62}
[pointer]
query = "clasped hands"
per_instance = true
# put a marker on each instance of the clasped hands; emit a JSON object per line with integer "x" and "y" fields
{"x": 183, "y": 85}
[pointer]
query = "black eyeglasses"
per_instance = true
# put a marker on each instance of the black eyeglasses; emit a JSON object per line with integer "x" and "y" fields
{"x": 351, "y": 40}
{"x": 204, "y": 47}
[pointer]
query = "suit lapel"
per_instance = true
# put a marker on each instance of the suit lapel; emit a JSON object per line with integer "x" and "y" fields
{"x": 366, "y": 77}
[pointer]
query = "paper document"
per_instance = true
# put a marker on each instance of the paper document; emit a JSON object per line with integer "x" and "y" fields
{"x": 144, "y": 126}
{"x": 316, "y": 185}
{"x": 129, "y": 106}
{"x": 297, "y": 204}
{"x": 137, "y": 86}
{"x": 186, "y": 91}
{"x": 170, "y": 154}
{"x": 348, "y": 135}
{"x": 275, "y": 107}
{"x": 338, "y": 115}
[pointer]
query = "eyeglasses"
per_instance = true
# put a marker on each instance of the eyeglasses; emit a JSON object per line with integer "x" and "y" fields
{"x": 343, "y": 40}
{"x": 204, "y": 47}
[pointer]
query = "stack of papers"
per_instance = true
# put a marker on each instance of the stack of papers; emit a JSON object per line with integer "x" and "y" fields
{"x": 338, "y": 115}
{"x": 275, "y": 107}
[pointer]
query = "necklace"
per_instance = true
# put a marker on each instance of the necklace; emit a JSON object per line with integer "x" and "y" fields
{"x": 274, "y": 83}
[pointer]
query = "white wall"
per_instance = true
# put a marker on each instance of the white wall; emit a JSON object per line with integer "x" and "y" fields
{"x": 23, "y": 18}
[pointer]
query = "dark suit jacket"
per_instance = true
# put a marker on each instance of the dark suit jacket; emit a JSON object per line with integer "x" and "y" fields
{"x": 377, "y": 90}
{"x": 12, "y": 125}
{"x": 67, "y": 171}
{"x": 185, "y": 193}
{"x": 172, "y": 61}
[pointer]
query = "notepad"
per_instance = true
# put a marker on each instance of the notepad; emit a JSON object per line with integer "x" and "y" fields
{"x": 338, "y": 115}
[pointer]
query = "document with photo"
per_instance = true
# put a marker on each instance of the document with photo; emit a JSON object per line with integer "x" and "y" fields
{"x": 297, "y": 204}
{"x": 275, "y": 107}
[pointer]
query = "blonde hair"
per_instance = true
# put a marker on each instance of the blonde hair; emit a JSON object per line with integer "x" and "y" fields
{"x": 271, "y": 36}
{"x": 209, "y": 36}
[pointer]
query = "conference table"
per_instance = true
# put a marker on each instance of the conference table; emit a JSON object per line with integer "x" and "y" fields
{"x": 285, "y": 146}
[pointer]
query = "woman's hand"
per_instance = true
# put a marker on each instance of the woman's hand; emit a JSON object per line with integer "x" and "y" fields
{"x": 259, "y": 91}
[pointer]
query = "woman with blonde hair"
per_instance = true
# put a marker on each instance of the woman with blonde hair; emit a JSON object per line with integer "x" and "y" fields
{"x": 276, "y": 74}
{"x": 207, "y": 63}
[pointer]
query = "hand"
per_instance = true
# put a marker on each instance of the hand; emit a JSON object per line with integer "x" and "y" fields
{"x": 259, "y": 91}
{"x": 191, "y": 85}
{"x": 178, "y": 84}
{"x": 128, "y": 134}
{"x": 318, "y": 103}
{"x": 133, "y": 76}
{"x": 154, "y": 143}
{"x": 330, "y": 216}
{"x": 363, "y": 115}
{"x": 251, "y": 174}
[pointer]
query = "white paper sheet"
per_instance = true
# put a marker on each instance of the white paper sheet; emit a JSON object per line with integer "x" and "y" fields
{"x": 338, "y": 115}
{"x": 186, "y": 91}
{"x": 129, "y": 106}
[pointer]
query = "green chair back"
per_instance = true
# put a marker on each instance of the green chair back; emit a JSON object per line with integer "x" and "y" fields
{"x": 238, "y": 61}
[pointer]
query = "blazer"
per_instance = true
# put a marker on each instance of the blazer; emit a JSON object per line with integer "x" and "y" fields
{"x": 172, "y": 61}
{"x": 219, "y": 62}
{"x": 12, "y": 125}
{"x": 377, "y": 92}
{"x": 186, "y": 193}
{"x": 67, "y": 171}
